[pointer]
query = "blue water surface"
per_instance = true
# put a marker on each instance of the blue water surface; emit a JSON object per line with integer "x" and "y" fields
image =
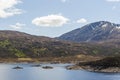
{"x": 57, "y": 73}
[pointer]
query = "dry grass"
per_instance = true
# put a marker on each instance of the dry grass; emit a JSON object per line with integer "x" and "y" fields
{"x": 77, "y": 58}
{"x": 25, "y": 59}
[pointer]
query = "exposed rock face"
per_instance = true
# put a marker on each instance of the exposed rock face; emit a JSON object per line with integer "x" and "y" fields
{"x": 98, "y": 31}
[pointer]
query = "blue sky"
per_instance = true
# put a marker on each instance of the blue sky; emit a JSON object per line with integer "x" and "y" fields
{"x": 52, "y": 18}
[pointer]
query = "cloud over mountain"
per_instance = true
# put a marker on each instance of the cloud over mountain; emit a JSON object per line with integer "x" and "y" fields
{"x": 82, "y": 20}
{"x": 50, "y": 21}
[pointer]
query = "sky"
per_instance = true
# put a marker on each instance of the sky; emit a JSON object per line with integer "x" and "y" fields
{"x": 53, "y": 18}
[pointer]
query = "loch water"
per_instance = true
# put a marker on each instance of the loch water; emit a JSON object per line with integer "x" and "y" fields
{"x": 59, "y": 72}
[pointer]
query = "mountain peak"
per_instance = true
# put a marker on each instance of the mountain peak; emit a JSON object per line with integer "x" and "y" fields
{"x": 97, "y": 31}
{"x": 102, "y": 24}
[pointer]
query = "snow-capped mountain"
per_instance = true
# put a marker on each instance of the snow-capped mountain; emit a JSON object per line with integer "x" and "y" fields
{"x": 97, "y": 31}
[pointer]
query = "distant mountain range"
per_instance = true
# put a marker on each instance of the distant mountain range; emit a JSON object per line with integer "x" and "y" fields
{"x": 94, "y": 32}
{"x": 99, "y": 38}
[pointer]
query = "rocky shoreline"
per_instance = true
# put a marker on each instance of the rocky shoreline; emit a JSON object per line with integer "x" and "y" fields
{"x": 91, "y": 69}
{"x": 108, "y": 64}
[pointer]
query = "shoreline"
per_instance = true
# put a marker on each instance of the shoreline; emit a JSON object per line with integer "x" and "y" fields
{"x": 69, "y": 59}
{"x": 73, "y": 67}
{"x": 91, "y": 69}
{"x": 107, "y": 64}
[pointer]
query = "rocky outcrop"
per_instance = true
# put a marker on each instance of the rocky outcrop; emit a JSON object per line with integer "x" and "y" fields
{"x": 109, "y": 64}
{"x": 47, "y": 67}
{"x": 18, "y": 67}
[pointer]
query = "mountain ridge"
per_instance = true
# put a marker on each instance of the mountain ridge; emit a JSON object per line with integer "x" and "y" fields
{"x": 97, "y": 31}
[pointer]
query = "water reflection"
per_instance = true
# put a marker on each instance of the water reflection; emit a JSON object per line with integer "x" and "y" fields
{"x": 57, "y": 73}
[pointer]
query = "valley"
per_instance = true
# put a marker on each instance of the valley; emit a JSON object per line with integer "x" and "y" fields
{"x": 22, "y": 47}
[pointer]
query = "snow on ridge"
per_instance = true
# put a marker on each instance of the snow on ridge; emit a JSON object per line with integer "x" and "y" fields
{"x": 117, "y": 27}
{"x": 104, "y": 25}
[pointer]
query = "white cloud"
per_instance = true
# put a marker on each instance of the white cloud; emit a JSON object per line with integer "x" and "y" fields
{"x": 7, "y": 8}
{"x": 17, "y": 26}
{"x": 50, "y": 21}
{"x": 82, "y": 20}
{"x": 113, "y": 0}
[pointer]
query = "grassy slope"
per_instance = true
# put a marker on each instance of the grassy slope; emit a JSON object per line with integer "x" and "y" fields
{"x": 21, "y": 45}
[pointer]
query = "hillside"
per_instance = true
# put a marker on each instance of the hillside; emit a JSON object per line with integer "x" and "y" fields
{"x": 15, "y": 44}
{"x": 18, "y": 44}
{"x": 102, "y": 31}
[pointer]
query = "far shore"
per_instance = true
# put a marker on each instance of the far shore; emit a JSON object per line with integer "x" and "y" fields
{"x": 70, "y": 59}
